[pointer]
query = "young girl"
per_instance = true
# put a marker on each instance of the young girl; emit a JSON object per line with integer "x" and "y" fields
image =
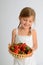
{"x": 25, "y": 34}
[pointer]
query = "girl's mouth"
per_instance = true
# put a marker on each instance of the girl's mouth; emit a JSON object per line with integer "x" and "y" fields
{"x": 26, "y": 25}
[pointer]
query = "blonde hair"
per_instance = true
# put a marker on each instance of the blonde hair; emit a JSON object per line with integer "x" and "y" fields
{"x": 27, "y": 12}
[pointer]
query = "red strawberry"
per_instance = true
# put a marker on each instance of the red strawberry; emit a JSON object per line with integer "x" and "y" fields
{"x": 16, "y": 51}
{"x": 28, "y": 52}
{"x": 20, "y": 45}
{"x": 23, "y": 46}
{"x": 16, "y": 46}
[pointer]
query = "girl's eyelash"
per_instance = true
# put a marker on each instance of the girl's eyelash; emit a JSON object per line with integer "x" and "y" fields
{"x": 29, "y": 21}
{"x": 25, "y": 19}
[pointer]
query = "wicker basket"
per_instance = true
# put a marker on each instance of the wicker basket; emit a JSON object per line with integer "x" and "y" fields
{"x": 19, "y": 56}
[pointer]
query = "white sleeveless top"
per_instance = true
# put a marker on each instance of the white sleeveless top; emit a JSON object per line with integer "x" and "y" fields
{"x": 24, "y": 39}
{"x": 28, "y": 40}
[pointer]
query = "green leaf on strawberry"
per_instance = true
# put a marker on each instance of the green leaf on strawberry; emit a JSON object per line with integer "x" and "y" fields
{"x": 21, "y": 52}
{"x": 27, "y": 48}
{"x": 12, "y": 48}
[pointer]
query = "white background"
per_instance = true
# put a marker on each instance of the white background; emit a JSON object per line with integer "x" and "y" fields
{"x": 9, "y": 12}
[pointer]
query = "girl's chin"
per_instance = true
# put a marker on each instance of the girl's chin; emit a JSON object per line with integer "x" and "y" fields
{"x": 26, "y": 27}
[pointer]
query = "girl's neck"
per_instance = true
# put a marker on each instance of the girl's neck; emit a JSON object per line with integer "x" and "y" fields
{"x": 25, "y": 29}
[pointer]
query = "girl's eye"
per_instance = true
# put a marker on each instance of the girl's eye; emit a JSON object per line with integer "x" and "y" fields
{"x": 30, "y": 21}
{"x": 25, "y": 19}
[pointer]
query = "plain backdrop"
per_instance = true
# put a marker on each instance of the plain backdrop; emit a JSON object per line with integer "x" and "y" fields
{"x": 9, "y": 13}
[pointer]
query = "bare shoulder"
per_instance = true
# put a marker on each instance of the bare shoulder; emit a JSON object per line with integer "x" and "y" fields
{"x": 34, "y": 32}
{"x": 14, "y": 31}
{"x": 13, "y": 36}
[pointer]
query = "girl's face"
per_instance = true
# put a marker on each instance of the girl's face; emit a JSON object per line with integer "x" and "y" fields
{"x": 26, "y": 22}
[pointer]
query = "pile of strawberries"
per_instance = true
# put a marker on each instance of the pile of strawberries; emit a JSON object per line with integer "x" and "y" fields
{"x": 20, "y": 48}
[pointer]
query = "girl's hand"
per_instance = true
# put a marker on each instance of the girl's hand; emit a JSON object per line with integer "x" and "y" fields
{"x": 31, "y": 54}
{"x": 33, "y": 49}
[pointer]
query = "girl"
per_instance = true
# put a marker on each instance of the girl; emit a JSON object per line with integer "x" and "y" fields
{"x": 25, "y": 34}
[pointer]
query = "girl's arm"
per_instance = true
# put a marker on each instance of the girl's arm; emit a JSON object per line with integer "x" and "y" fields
{"x": 13, "y": 36}
{"x": 35, "y": 45}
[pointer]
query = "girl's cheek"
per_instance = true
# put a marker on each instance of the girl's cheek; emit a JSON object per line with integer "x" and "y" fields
{"x": 23, "y": 22}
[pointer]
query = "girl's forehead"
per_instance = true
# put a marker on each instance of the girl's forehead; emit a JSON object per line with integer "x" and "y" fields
{"x": 31, "y": 17}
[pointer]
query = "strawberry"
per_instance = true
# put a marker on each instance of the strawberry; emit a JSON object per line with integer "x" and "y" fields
{"x": 29, "y": 52}
{"x": 22, "y": 46}
{"x": 27, "y": 48}
{"x": 21, "y": 52}
{"x": 16, "y": 51}
{"x": 16, "y": 46}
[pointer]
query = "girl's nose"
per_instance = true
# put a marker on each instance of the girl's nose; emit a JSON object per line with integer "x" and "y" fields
{"x": 27, "y": 22}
